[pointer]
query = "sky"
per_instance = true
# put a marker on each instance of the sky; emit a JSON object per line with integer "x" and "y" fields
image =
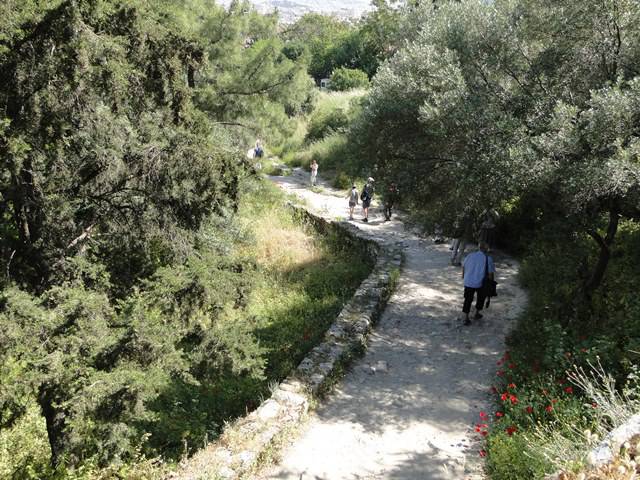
{"x": 290, "y": 9}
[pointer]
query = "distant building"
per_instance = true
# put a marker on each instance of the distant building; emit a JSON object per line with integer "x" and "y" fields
{"x": 325, "y": 83}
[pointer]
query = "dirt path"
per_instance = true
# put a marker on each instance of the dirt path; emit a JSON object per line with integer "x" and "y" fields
{"x": 408, "y": 408}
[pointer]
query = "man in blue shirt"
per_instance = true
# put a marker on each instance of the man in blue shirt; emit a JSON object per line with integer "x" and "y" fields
{"x": 477, "y": 266}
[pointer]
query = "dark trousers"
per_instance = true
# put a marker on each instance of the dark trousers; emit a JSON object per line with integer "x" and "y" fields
{"x": 468, "y": 298}
{"x": 387, "y": 210}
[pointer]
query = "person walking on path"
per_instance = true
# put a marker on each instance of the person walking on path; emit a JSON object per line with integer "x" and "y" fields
{"x": 463, "y": 235}
{"x": 477, "y": 266}
{"x": 366, "y": 196}
{"x": 391, "y": 196}
{"x": 353, "y": 200}
{"x": 314, "y": 172}
{"x": 258, "y": 151}
{"x": 488, "y": 221}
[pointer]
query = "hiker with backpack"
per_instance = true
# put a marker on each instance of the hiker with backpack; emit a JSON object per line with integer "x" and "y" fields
{"x": 478, "y": 274}
{"x": 391, "y": 196}
{"x": 366, "y": 196}
{"x": 353, "y": 200}
{"x": 463, "y": 231}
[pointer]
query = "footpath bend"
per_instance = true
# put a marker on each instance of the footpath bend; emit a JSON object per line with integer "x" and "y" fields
{"x": 407, "y": 409}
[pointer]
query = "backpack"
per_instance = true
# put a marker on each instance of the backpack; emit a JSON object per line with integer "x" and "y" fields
{"x": 364, "y": 195}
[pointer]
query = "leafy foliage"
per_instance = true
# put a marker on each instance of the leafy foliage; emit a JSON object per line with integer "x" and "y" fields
{"x": 348, "y": 79}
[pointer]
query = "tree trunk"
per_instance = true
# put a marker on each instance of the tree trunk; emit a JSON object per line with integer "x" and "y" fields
{"x": 605, "y": 253}
{"x": 55, "y": 417}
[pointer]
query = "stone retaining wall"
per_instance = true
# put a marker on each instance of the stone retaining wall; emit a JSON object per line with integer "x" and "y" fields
{"x": 248, "y": 440}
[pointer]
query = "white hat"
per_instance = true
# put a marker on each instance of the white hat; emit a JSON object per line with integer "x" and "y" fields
{"x": 370, "y": 179}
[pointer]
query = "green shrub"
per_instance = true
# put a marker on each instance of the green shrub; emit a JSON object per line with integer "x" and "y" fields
{"x": 324, "y": 123}
{"x": 511, "y": 457}
{"x": 344, "y": 78}
{"x": 342, "y": 181}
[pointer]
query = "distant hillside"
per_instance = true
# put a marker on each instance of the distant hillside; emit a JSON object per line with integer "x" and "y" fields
{"x": 290, "y": 10}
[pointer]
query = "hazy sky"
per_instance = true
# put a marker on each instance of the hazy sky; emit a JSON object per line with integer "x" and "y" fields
{"x": 290, "y": 8}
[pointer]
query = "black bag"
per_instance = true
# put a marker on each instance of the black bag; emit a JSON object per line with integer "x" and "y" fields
{"x": 364, "y": 196}
{"x": 489, "y": 286}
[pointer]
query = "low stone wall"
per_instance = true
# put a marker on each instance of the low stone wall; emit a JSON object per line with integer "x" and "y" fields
{"x": 248, "y": 440}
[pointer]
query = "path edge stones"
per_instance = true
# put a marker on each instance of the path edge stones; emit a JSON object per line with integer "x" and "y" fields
{"x": 247, "y": 442}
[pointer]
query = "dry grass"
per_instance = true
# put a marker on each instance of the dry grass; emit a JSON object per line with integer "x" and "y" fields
{"x": 281, "y": 245}
{"x": 623, "y": 467}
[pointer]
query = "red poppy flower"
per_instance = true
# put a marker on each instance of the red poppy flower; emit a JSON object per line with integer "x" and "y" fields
{"x": 499, "y": 414}
{"x": 512, "y": 366}
{"x": 482, "y": 453}
{"x": 504, "y": 396}
{"x": 511, "y": 430}
{"x": 513, "y": 399}
{"x": 484, "y": 433}
{"x": 568, "y": 390}
{"x": 478, "y": 428}
{"x": 500, "y": 373}
{"x": 511, "y": 385}
{"x": 554, "y": 400}
{"x": 494, "y": 390}
{"x": 483, "y": 415}
{"x": 548, "y": 408}
{"x": 529, "y": 409}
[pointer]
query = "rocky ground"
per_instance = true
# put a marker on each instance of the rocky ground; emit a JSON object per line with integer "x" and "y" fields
{"x": 408, "y": 408}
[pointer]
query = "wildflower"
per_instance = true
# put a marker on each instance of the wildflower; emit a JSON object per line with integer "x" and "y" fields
{"x": 494, "y": 389}
{"x": 549, "y": 408}
{"x": 568, "y": 390}
{"x": 483, "y": 415}
{"x": 511, "y": 386}
{"x": 484, "y": 433}
{"x": 500, "y": 373}
{"x": 500, "y": 362}
{"x": 504, "y": 396}
{"x": 511, "y": 430}
{"x": 513, "y": 399}
{"x": 499, "y": 414}
{"x": 512, "y": 366}
{"x": 529, "y": 409}
{"x": 482, "y": 453}
{"x": 554, "y": 400}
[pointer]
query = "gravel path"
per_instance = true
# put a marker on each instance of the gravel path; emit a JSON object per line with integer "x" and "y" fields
{"x": 407, "y": 409}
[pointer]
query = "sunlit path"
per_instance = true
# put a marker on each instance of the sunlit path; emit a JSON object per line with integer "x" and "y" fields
{"x": 408, "y": 408}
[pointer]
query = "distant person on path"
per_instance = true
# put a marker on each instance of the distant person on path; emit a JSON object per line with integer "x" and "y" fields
{"x": 392, "y": 195}
{"x": 488, "y": 221}
{"x": 477, "y": 266}
{"x": 258, "y": 151}
{"x": 366, "y": 196}
{"x": 463, "y": 231}
{"x": 314, "y": 172}
{"x": 353, "y": 200}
